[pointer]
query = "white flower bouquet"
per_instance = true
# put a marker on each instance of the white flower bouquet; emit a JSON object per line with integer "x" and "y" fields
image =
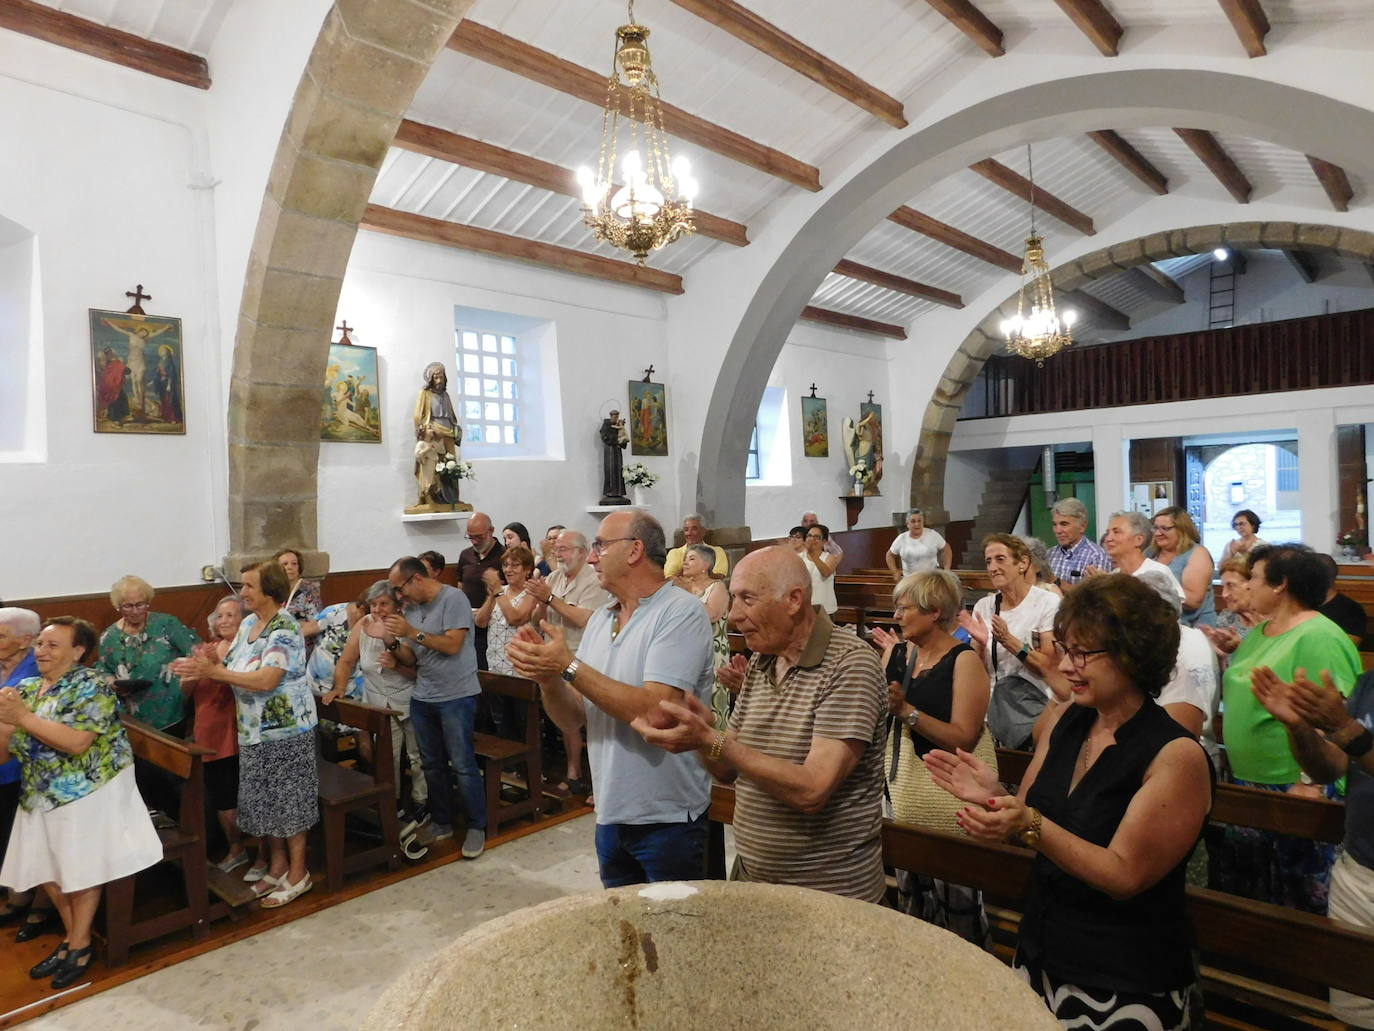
{"x": 638, "y": 475}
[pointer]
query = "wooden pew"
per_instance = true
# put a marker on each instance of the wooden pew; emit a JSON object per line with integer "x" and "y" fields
{"x": 344, "y": 790}
{"x": 499, "y": 754}
{"x": 1314, "y": 818}
{"x": 1232, "y": 932}
{"x": 184, "y": 844}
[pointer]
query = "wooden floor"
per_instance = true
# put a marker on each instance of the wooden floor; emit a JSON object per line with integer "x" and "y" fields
{"x": 22, "y": 999}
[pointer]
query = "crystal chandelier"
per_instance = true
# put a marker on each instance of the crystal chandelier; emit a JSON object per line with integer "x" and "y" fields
{"x": 1037, "y": 333}
{"x": 653, "y": 206}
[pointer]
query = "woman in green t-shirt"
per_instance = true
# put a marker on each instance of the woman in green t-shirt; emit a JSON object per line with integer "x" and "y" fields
{"x": 1287, "y": 583}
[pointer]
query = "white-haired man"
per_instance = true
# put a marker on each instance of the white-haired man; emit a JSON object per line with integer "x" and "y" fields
{"x": 1076, "y": 552}
{"x": 694, "y": 532}
{"x": 1127, "y": 535}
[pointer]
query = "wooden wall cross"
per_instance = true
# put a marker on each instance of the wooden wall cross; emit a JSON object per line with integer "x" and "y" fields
{"x": 870, "y": 397}
{"x": 344, "y": 329}
{"x": 647, "y": 373}
{"x": 813, "y": 390}
{"x": 138, "y": 295}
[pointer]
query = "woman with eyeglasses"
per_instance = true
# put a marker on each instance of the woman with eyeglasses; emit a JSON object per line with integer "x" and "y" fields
{"x": 1178, "y": 545}
{"x": 138, "y": 650}
{"x": 1113, "y": 803}
{"x": 1246, "y": 523}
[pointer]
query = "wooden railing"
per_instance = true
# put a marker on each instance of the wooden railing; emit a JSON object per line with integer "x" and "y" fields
{"x": 1296, "y": 354}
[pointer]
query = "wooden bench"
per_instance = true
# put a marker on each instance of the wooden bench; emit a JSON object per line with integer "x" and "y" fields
{"x": 184, "y": 844}
{"x": 1241, "y": 941}
{"x": 500, "y": 754}
{"x": 344, "y": 790}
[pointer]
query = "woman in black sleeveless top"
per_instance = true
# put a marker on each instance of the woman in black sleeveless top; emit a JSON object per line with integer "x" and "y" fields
{"x": 1113, "y": 802}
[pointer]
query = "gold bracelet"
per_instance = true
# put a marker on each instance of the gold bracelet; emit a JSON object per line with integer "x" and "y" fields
{"x": 1030, "y": 837}
{"x": 717, "y": 747}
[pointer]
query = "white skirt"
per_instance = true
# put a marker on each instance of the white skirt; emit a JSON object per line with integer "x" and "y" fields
{"x": 97, "y": 839}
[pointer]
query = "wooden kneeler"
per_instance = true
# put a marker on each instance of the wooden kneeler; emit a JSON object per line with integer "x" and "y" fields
{"x": 499, "y": 754}
{"x": 344, "y": 791}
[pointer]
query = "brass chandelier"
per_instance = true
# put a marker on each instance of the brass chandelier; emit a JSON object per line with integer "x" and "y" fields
{"x": 653, "y": 206}
{"x": 1036, "y": 331}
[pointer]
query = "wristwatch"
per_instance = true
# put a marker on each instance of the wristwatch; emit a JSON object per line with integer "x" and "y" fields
{"x": 1030, "y": 837}
{"x": 571, "y": 672}
{"x": 419, "y": 637}
{"x": 910, "y": 718}
{"x": 1360, "y": 745}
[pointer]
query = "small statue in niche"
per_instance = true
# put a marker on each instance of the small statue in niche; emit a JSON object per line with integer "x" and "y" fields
{"x": 437, "y": 438}
{"x": 614, "y": 437}
{"x": 863, "y": 448}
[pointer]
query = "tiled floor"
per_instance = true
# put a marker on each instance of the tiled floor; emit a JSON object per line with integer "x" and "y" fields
{"x": 323, "y": 972}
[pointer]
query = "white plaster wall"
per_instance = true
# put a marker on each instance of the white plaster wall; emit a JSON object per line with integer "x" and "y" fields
{"x": 107, "y": 198}
{"x": 845, "y": 367}
{"x": 400, "y": 295}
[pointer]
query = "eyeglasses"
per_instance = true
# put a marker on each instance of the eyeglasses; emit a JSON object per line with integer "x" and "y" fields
{"x": 479, "y": 536}
{"x": 133, "y": 606}
{"x": 1078, "y": 657}
{"x": 1162, "y": 529}
{"x": 396, "y": 590}
{"x": 598, "y": 545}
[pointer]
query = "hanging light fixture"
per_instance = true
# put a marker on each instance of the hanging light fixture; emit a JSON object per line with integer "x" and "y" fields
{"x": 1036, "y": 331}
{"x": 652, "y": 206}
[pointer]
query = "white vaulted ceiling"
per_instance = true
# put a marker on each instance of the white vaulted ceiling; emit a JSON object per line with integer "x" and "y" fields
{"x": 185, "y": 24}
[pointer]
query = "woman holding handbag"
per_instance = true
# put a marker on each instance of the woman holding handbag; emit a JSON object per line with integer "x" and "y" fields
{"x": 937, "y": 698}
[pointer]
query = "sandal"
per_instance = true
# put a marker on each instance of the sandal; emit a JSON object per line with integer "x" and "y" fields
{"x": 255, "y": 873}
{"x": 286, "y": 893}
{"x": 74, "y": 967}
{"x": 579, "y": 785}
{"x": 55, "y": 959}
{"x": 231, "y": 863}
{"x": 266, "y": 884}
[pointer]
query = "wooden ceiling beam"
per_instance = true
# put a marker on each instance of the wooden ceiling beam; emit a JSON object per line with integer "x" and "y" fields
{"x": 838, "y": 318}
{"x": 1015, "y": 183}
{"x": 910, "y": 218}
{"x": 503, "y": 245}
{"x": 1095, "y": 22}
{"x": 891, "y": 281}
{"x": 1212, "y": 154}
{"x": 443, "y": 145}
{"x": 767, "y": 38}
{"x": 1334, "y": 181}
{"x": 1247, "y": 18}
{"x": 1097, "y": 313}
{"x": 88, "y": 37}
{"x": 1304, "y": 265}
{"x": 1160, "y": 286}
{"x": 1130, "y": 159}
{"x": 516, "y": 56}
{"x": 973, "y": 23}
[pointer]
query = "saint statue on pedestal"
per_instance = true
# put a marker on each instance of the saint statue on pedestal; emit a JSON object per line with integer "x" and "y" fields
{"x": 437, "y": 438}
{"x": 863, "y": 447}
{"x": 613, "y": 440}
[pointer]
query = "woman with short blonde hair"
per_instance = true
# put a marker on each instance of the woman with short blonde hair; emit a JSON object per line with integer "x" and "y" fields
{"x": 137, "y": 651}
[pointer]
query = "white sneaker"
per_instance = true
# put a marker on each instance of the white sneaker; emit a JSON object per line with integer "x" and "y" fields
{"x": 474, "y": 843}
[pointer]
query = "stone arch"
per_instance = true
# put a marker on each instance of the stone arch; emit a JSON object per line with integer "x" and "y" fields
{"x": 367, "y": 62}
{"x": 1296, "y": 118}
{"x": 937, "y": 427}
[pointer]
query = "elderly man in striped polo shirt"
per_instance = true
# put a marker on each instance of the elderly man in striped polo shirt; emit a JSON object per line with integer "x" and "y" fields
{"x": 805, "y": 741}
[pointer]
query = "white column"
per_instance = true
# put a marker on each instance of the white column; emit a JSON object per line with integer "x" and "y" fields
{"x": 1319, "y": 480}
{"x": 1110, "y": 471}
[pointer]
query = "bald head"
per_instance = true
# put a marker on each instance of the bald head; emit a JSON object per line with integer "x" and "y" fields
{"x": 480, "y": 522}
{"x": 771, "y": 601}
{"x": 775, "y": 571}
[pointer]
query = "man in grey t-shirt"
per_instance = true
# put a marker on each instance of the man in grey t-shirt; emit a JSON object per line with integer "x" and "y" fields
{"x": 437, "y": 629}
{"x": 653, "y": 644}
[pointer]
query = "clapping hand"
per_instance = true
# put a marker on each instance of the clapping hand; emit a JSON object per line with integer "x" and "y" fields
{"x": 977, "y": 629}
{"x": 12, "y": 706}
{"x": 1319, "y": 704}
{"x": 1002, "y": 632}
{"x": 963, "y": 775}
{"x": 1224, "y": 640}
{"x": 540, "y": 658}
{"x": 885, "y": 638}
{"x": 731, "y": 675}
{"x": 398, "y": 626}
{"x": 678, "y": 726}
{"x": 492, "y": 579}
{"x": 374, "y": 627}
{"x": 1004, "y": 816}
{"x": 1275, "y": 695}
{"x": 193, "y": 667}
{"x": 896, "y": 697}
{"x": 539, "y": 588}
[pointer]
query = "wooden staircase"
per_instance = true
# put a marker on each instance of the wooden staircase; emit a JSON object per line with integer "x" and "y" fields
{"x": 1003, "y": 496}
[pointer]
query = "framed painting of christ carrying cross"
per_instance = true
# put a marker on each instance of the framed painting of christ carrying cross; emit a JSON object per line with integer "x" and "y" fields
{"x": 136, "y": 372}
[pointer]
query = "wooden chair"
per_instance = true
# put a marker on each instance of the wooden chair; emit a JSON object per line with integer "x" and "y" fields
{"x": 344, "y": 791}
{"x": 499, "y": 754}
{"x": 184, "y": 844}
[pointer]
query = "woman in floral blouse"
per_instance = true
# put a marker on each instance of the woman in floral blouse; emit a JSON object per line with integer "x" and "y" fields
{"x": 141, "y": 646}
{"x": 82, "y": 822}
{"x": 303, "y": 599}
{"x": 278, "y": 779}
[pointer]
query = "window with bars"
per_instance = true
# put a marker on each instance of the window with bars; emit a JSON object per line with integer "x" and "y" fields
{"x": 751, "y": 467}
{"x": 488, "y": 389}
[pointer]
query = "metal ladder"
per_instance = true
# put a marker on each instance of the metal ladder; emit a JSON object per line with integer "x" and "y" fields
{"x": 1221, "y": 295}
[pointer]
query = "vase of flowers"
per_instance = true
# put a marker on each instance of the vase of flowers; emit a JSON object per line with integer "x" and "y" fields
{"x": 639, "y": 479}
{"x": 450, "y": 471}
{"x": 1352, "y": 544}
{"x": 860, "y": 475}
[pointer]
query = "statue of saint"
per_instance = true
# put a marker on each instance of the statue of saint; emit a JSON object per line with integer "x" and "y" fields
{"x": 613, "y": 440}
{"x": 437, "y": 437}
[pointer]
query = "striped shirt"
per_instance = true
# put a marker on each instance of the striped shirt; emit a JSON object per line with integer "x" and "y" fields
{"x": 837, "y": 691}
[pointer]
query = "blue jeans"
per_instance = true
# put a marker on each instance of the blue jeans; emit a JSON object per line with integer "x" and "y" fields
{"x": 639, "y": 853}
{"x": 446, "y": 728}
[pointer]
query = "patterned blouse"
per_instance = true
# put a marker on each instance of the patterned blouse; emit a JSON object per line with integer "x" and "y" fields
{"x": 81, "y": 700}
{"x": 287, "y": 710}
{"x": 148, "y": 656}
{"x": 305, "y": 601}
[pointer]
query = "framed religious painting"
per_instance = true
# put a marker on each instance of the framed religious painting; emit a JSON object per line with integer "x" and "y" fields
{"x": 136, "y": 372}
{"x": 351, "y": 404}
{"x": 815, "y": 428}
{"x": 648, "y": 418}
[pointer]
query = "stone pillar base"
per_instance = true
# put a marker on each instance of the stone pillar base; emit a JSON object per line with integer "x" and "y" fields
{"x": 315, "y": 564}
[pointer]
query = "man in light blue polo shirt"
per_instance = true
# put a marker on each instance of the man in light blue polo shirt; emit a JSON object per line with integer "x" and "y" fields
{"x": 652, "y": 643}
